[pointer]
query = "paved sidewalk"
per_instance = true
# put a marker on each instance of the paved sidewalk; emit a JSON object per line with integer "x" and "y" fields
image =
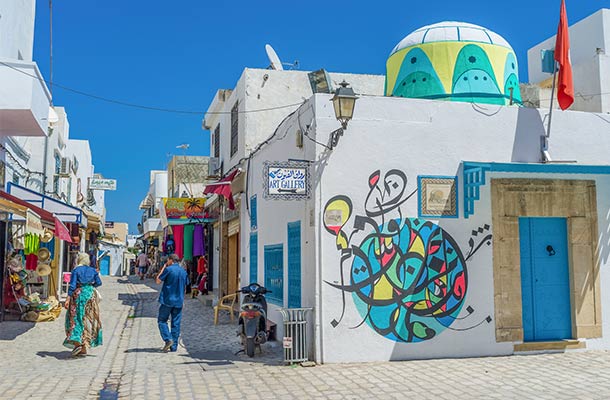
{"x": 34, "y": 364}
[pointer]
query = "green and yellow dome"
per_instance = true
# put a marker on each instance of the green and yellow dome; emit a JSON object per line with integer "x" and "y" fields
{"x": 454, "y": 61}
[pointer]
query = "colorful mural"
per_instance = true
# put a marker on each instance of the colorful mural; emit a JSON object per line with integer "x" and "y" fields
{"x": 407, "y": 276}
{"x": 454, "y": 61}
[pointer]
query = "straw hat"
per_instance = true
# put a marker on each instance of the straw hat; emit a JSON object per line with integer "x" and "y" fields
{"x": 47, "y": 236}
{"x": 43, "y": 269}
{"x": 44, "y": 254}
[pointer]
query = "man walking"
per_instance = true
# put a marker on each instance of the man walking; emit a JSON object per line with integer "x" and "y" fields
{"x": 171, "y": 299}
{"x": 143, "y": 263}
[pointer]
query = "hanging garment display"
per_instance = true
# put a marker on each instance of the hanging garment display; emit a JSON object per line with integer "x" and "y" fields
{"x": 188, "y": 242}
{"x": 198, "y": 241}
{"x": 179, "y": 240}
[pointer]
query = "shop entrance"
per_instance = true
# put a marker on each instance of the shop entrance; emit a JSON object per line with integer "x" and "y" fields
{"x": 105, "y": 265}
{"x": 233, "y": 267}
{"x": 545, "y": 279}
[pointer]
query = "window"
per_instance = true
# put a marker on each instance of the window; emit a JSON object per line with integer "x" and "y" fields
{"x": 274, "y": 273}
{"x": 15, "y": 178}
{"x": 253, "y": 218}
{"x": 234, "y": 129}
{"x": 217, "y": 141}
{"x": 56, "y": 176}
{"x": 294, "y": 264}
{"x": 253, "y": 257}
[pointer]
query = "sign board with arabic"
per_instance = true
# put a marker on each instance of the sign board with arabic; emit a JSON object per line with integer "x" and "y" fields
{"x": 102, "y": 184}
{"x": 287, "y": 180}
{"x": 184, "y": 208}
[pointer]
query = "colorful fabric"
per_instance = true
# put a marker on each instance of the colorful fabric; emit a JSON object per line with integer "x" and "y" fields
{"x": 178, "y": 240}
{"x": 202, "y": 267}
{"x": 188, "y": 242}
{"x": 31, "y": 262}
{"x": 61, "y": 231}
{"x": 198, "y": 241}
{"x": 83, "y": 324}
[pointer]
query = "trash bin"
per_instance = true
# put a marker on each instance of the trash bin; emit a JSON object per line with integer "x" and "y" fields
{"x": 295, "y": 334}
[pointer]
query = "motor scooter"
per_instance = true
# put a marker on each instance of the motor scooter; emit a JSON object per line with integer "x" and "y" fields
{"x": 253, "y": 317}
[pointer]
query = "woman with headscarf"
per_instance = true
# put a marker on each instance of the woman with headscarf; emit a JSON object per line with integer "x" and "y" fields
{"x": 83, "y": 324}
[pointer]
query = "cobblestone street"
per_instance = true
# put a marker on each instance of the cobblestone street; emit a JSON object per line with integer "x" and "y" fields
{"x": 35, "y": 365}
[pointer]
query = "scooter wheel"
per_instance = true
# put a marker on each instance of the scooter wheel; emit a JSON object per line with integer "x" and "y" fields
{"x": 250, "y": 347}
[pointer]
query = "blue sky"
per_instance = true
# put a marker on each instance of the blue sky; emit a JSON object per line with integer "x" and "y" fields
{"x": 177, "y": 54}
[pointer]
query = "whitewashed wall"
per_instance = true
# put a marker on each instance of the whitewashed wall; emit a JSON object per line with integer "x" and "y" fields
{"x": 423, "y": 137}
{"x": 17, "y": 29}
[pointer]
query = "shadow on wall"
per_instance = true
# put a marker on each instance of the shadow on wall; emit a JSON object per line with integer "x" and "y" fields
{"x": 603, "y": 243}
{"x": 530, "y": 128}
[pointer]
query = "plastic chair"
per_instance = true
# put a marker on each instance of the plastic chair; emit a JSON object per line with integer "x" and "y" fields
{"x": 65, "y": 282}
{"x": 225, "y": 303}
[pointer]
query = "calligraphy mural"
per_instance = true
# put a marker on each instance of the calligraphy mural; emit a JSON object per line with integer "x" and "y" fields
{"x": 407, "y": 276}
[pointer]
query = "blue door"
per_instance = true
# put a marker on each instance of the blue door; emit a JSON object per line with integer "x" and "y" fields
{"x": 294, "y": 264}
{"x": 274, "y": 273}
{"x": 545, "y": 279}
{"x": 105, "y": 266}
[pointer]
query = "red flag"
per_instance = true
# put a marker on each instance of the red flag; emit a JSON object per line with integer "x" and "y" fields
{"x": 565, "y": 90}
{"x": 61, "y": 231}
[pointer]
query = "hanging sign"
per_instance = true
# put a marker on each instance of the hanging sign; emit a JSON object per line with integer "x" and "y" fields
{"x": 287, "y": 180}
{"x": 184, "y": 208}
{"x": 33, "y": 224}
{"x": 102, "y": 184}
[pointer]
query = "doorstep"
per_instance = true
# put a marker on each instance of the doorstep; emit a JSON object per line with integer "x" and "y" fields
{"x": 567, "y": 344}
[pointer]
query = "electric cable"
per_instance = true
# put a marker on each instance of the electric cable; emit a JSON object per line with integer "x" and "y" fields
{"x": 141, "y": 106}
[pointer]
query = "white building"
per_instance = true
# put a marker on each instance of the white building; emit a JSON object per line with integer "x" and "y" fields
{"x": 238, "y": 126}
{"x": 157, "y": 190}
{"x": 24, "y": 97}
{"x": 432, "y": 228}
{"x": 590, "y": 55}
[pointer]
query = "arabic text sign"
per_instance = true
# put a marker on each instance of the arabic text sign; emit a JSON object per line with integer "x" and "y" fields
{"x": 287, "y": 181}
{"x": 184, "y": 208}
{"x": 102, "y": 184}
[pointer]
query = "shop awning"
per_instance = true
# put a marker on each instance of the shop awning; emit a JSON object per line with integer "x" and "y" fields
{"x": 223, "y": 188}
{"x": 94, "y": 221}
{"x": 147, "y": 203}
{"x": 44, "y": 215}
{"x": 12, "y": 207}
{"x": 63, "y": 211}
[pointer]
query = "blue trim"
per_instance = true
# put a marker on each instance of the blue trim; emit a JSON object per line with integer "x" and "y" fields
{"x": 274, "y": 273}
{"x": 419, "y": 199}
{"x": 78, "y": 214}
{"x": 253, "y": 257}
{"x": 473, "y": 174}
{"x": 294, "y": 264}
{"x": 253, "y": 211}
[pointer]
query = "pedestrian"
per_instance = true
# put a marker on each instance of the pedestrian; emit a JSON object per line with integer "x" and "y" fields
{"x": 83, "y": 323}
{"x": 143, "y": 263}
{"x": 175, "y": 280}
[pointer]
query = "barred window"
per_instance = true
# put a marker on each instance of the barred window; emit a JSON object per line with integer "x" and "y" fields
{"x": 217, "y": 141}
{"x": 234, "y": 129}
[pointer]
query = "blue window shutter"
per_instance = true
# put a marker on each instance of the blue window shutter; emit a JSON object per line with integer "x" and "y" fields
{"x": 274, "y": 273}
{"x": 294, "y": 264}
{"x": 253, "y": 257}
{"x": 253, "y": 218}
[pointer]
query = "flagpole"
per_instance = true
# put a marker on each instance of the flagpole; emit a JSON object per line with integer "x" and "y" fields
{"x": 545, "y": 145}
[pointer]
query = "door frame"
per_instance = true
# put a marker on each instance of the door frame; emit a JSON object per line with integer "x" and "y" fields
{"x": 575, "y": 200}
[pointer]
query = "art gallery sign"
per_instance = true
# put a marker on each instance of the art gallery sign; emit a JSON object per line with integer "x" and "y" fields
{"x": 102, "y": 184}
{"x": 288, "y": 180}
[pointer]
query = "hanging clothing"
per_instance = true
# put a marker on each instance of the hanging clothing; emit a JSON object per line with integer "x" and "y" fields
{"x": 202, "y": 266}
{"x": 188, "y": 242}
{"x": 198, "y": 241}
{"x": 31, "y": 262}
{"x": 178, "y": 240}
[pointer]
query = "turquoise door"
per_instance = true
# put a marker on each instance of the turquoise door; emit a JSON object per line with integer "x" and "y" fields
{"x": 545, "y": 279}
{"x": 105, "y": 266}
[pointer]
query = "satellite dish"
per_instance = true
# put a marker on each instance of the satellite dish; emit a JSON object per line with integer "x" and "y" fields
{"x": 273, "y": 58}
{"x": 53, "y": 117}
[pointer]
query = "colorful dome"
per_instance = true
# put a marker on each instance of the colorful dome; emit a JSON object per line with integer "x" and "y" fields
{"x": 454, "y": 61}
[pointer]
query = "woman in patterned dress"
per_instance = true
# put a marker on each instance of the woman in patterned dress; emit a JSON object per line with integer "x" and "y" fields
{"x": 83, "y": 323}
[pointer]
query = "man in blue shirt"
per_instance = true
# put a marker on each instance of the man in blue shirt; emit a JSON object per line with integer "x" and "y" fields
{"x": 175, "y": 280}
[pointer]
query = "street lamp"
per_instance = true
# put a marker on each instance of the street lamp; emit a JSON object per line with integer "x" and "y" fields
{"x": 344, "y": 101}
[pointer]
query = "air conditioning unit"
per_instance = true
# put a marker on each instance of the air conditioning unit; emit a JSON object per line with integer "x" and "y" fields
{"x": 214, "y": 166}
{"x": 64, "y": 168}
